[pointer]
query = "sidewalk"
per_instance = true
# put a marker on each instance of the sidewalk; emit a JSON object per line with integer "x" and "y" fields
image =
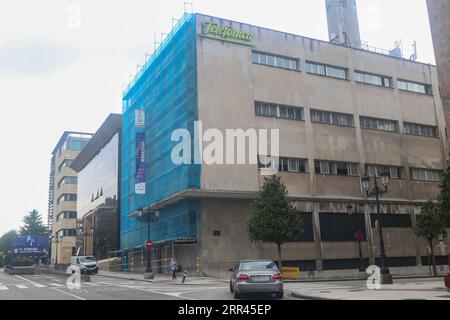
{"x": 433, "y": 290}
{"x": 161, "y": 278}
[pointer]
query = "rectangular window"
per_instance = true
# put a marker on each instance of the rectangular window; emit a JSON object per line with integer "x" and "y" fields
{"x": 326, "y": 70}
{"x": 373, "y": 79}
{"x": 420, "y": 130}
{"x": 65, "y": 163}
{"x": 376, "y": 171}
{"x": 275, "y": 60}
{"x": 67, "y": 197}
{"x": 379, "y": 124}
{"x": 66, "y": 215}
{"x": 426, "y": 175}
{"x": 336, "y": 168}
{"x": 340, "y": 119}
{"x": 415, "y": 87}
{"x": 293, "y": 165}
{"x": 264, "y": 109}
{"x": 67, "y": 180}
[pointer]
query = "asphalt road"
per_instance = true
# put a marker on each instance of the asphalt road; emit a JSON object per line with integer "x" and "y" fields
{"x": 53, "y": 287}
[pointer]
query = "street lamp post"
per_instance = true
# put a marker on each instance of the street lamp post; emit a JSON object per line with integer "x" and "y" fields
{"x": 150, "y": 217}
{"x": 377, "y": 192}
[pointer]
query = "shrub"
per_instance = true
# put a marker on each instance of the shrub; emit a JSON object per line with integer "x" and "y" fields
{"x": 23, "y": 262}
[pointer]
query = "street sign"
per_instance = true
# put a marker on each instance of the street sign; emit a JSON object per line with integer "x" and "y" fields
{"x": 149, "y": 244}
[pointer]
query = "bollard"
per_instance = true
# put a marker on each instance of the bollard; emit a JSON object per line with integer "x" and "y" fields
{"x": 184, "y": 276}
{"x": 197, "y": 264}
{"x": 447, "y": 278}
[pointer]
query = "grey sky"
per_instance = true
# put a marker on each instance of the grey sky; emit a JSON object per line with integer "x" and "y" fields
{"x": 55, "y": 76}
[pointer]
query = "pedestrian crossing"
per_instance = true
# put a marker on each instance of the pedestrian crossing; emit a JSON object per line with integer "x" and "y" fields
{"x": 305, "y": 287}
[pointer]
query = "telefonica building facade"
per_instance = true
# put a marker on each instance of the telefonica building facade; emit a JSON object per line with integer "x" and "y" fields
{"x": 341, "y": 112}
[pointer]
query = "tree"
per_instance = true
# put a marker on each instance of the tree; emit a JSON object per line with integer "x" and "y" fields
{"x": 5, "y": 241}
{"x": 33, "y": 225}
{"x": 431, "y": 225}
{"x": 273, "y": 217}
{"x": 444, "y": 196}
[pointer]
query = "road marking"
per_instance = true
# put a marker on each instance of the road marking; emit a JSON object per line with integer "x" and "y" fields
{"x": 69, "y": 294}
{"x": 35, "y": 284}
{"x": 2, "y": 288}
{"x": 21, "y": 286}
{"x": 56, "y": 285}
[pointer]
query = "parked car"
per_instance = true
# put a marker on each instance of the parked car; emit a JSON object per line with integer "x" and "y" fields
{"x": 256, "y": 276}
{"x": 87, "y": 264}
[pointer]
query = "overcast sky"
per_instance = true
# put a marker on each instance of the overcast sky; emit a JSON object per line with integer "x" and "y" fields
{"x": 57, "y": 74}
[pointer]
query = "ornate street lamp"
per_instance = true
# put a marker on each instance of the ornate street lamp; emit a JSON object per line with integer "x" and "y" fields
{"x": 377, "y": 192}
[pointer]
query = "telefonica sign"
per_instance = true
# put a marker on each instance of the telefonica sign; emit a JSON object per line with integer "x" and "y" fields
{"x": 225, "y": 33}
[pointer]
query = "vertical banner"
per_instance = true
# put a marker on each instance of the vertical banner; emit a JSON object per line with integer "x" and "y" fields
{"x": 139, "y": 118}
{"x": 140, "y": 163}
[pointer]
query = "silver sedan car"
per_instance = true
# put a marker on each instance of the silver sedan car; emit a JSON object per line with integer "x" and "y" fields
{"x": 256, "y": 276}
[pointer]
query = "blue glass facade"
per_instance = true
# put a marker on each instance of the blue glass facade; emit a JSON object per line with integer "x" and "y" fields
{"x": 166, "y": 89}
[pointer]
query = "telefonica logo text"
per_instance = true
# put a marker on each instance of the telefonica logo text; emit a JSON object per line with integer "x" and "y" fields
{"x": 214, "y": 147}
{"x": 219, "y": 31}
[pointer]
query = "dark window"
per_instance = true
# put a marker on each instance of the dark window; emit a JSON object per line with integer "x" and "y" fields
{"x": 392, "y": 220}
{"x": 344, "y": 264}
{"x": 341, "y": 226}
{"x": 273, "y": 110}
{"x": 440, "y": 260}
{"x": 393, "y": 262}
{"x": 308, "y": 234}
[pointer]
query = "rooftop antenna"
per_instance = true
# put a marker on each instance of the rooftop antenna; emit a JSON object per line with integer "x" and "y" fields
{"x": 414, "y": 55}
{"x": 162, "y": 36}
{"x": 174, "y": 22}
{"x": 188, "y": 7}
{"x": 155, "y": 43}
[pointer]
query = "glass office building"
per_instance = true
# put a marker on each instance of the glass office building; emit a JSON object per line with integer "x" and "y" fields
{"x": 98, "y": 168}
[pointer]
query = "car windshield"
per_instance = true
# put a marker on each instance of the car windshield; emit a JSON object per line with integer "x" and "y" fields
{"x": 87, "y": 259}
{"x": 258, "y": 265}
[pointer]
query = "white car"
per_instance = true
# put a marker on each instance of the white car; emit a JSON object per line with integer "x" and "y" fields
{"x": 87, "y": 264}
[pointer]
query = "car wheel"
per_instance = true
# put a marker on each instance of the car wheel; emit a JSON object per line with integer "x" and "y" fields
{"x": 279, "y": 295}
{"x": 231, "y": 287}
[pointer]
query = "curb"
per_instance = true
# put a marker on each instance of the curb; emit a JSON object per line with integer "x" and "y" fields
{"x": 360, "y": 279}
{"x": 307, "y": 297}
{"x": 168, "y": 282}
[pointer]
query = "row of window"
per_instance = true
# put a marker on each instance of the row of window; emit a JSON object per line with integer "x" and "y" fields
{"x": 373, "y": 79}
{"x": 66, "y": 215}
{"x": 265, "y": 109}
{"x": 65, "y": 163}
{"x": 67, "y": 180}
{"x": 326, "y": 70}
{"x": 338, "y": 72}
{"x": 275, "y": 61}
{"x": 340, "y": 119}
{"x": 348, "y": 169}
{"x": 66, "y": 233}
{"x": 67, "y": 197}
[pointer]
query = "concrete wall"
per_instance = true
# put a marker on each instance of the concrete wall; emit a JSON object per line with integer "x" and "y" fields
{"x": 229, "y": 216}
{"x": 229, "y": 84}
{"x": 439, "y": 13}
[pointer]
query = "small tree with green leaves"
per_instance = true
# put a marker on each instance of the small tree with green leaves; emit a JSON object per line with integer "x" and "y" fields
{"x": 444, "y": 196}
{"x": 33, "y": 225}
{"x": 273, "y": 218}
{"x": 431, "y": 225}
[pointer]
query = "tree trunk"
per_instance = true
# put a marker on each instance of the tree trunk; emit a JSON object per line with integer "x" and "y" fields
{"x": 280, "y": 263}
{"x": 433, "y": 259}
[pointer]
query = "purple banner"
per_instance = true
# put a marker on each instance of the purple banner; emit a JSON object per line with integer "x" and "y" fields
{"x": 140, "y": 163}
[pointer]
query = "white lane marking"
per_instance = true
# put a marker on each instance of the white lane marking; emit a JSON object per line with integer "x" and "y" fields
{"x": 21, "y": 286}
{"x": 69, "y": 294}
{"x": 38, "y": 285}
{"x": 56, "y": 285}
{"x": 3, "y": 288}
{"x": 35, "y": 284}
{"x": 173, "y": 294}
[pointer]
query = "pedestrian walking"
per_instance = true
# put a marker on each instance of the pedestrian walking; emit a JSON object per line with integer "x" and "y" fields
{"x": 174, "y": 268}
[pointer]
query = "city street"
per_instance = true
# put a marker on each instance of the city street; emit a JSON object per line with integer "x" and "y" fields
{"x": 53, "y": 287}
